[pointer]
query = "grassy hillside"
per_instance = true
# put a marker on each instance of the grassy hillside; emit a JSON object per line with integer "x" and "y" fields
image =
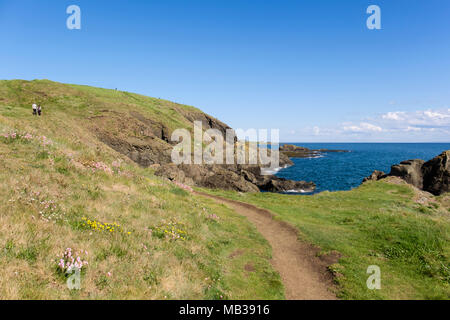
{"x": 63, "y": 186}
{"x": 64, "y": 100}
{"x": 60, "y": 186}
{"x": 389, "y": 224}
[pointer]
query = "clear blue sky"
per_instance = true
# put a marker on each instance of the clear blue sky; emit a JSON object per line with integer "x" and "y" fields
{"x": 310, "y": 68}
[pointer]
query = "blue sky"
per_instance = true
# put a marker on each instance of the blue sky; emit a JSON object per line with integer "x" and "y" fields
{"x": 309, "y": 68}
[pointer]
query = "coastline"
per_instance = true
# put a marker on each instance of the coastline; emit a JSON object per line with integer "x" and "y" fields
{"x": 345, "y": 171}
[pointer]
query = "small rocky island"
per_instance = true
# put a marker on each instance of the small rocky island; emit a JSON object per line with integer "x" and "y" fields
{"x": 293, "y": 151}
{"x": 432, "y": 176}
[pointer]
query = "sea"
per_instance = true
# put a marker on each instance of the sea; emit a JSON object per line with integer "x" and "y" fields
{"x": 344, "y": 171}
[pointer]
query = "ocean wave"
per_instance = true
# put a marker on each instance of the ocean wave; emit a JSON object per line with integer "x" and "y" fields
{"x": 272, "y": 171}
{"x": 296, "y": 191}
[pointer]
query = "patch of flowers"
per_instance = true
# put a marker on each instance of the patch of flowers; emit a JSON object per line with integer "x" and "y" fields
{"x": 45, "y": 141}
{"x": 102, "y": 227}
{"x": 116, "y": 166}
{"x": 14, "y": 136}
{"x": 213, "y": 217}
{"x": 100, "y": 166}
{"x": 48, "y": 210}
{"x": 71, "y": 261}
{"x": 183, "y": 186}
{"x": 171, "y": 230}
{"x": 25, "y": 137}
{"x": 11, "y": 135}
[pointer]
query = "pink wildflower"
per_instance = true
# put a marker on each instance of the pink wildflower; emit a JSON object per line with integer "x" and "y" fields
{"x": 183, "y": 186}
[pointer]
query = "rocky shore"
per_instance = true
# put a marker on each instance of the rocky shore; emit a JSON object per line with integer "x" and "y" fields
{"x": 244, "y": 178}
{"x": 293, "y": 151}
{"x": 432, "y": 176}
{"x": 150, "y": 146}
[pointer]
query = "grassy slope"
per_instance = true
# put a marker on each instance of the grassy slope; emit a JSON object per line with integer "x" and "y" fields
{"x": 142, "y": 265}
{"x": 375, "y": 224}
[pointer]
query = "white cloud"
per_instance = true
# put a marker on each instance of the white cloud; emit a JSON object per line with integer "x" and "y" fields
{"x": 393, "y": 116}
{"x": 409, "y": 129}
{"x": 426, "y": 118}
{"x": 435, "y": 115}
{"x": 395, "y": 126}
{"x": 363, "y": 127}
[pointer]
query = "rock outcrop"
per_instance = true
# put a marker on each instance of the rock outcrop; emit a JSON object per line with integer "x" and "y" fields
{"x": 375, "y": 176}
{"x": 436, "y": 174}
{"x": 432, "y": 176}
{"x": 410, "y": 171}
{"x": 275, "y": 184}
{"x": 293, "y": 151}
{"x": 146, "y": 141}
{"x": 244, "y": 178}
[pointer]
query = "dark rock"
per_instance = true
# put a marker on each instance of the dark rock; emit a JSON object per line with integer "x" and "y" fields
{"x": 207, "y": 176}
{"x": 410, "y": 171}
{"x": 375, "y": 176}
{"x": 293, "y": 151}
{"x": 285, "y": 161}
{"x": 275, "y": 184}
{"x": 231, "y": 177}
{"x": 436, "y": 174}
{"x": 432, "y": 176}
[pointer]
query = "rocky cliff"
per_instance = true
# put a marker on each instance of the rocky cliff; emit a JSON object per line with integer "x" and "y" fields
{"x": 150, "y": 146}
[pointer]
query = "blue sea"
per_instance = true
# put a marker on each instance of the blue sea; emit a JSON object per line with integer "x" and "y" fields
{"x": 344, "y": 171}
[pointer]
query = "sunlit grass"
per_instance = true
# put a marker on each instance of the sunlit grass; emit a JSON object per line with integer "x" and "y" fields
{"x": 47, "y": 189}
{"x": 380, "y": 224}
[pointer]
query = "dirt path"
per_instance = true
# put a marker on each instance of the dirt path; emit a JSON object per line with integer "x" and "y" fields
{"x": 304, "y": 275}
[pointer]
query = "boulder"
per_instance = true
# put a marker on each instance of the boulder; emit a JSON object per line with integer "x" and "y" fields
{"x": 375, "y": 176}
{"x": 432, "y": 176}
{"x": 436, "y": 174}
{"x": 275, "y": 184}
{"x": 410, "y": 171}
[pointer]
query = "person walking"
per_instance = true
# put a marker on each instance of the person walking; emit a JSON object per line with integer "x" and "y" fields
{"x": 34, "y": 109}
{"x": 39, "y": 110}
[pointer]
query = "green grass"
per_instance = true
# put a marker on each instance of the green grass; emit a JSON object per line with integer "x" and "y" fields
{"x": 46, "y": 191}
{"x": 375, "y": 224}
